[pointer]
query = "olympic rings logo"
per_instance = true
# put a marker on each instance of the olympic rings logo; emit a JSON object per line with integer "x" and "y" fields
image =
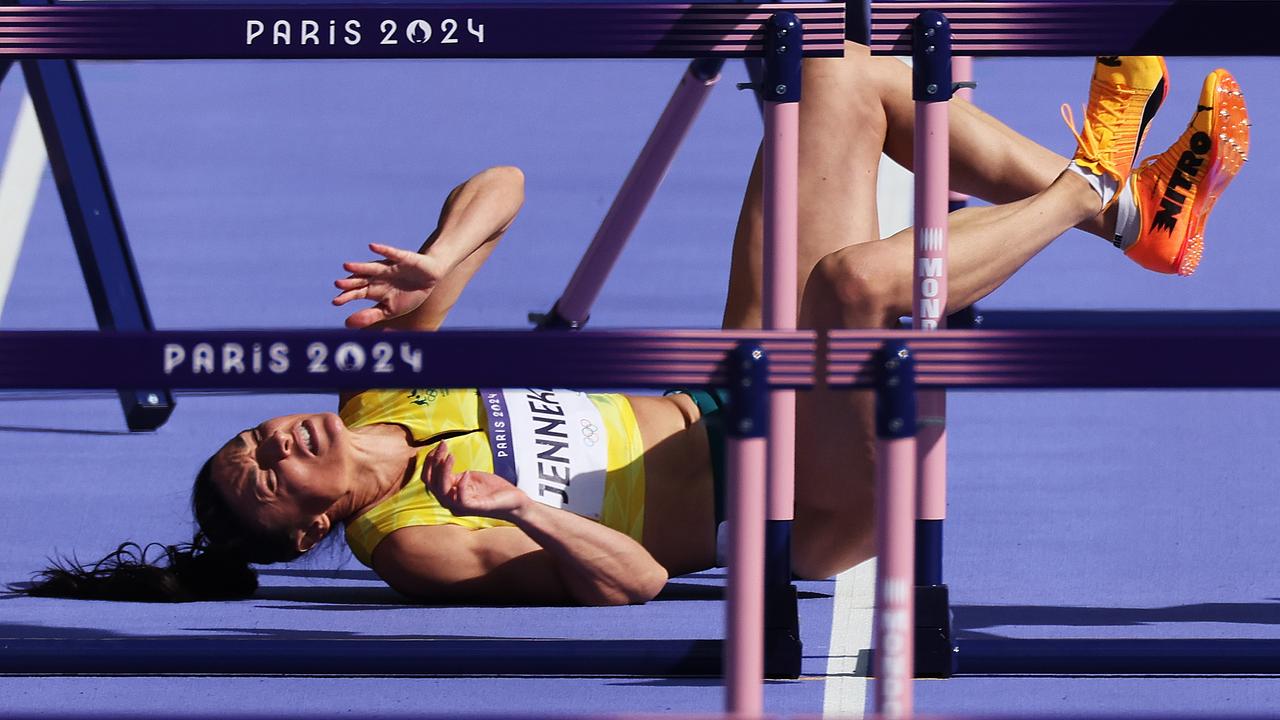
{"x": 590, "y": 433}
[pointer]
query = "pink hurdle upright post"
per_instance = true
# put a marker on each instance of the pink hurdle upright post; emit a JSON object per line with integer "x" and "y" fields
{"x": 905, "y": 457}
{"x": 749, "y": 453}
{"x": 932, "y": 70}
{"x": 746, "y": 449}
{"x": 780, "y": 90}
{"x": 895, "y": 504}
{"x": 650, "y": 168}
{"x": 932, "y": 90}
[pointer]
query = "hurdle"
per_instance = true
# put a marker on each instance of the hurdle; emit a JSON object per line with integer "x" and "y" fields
{"x": 750, "y": 364}
{"x": 935, "y": 33}
{"x": 1025, "y": 360}
{"x": 708, "y": 32}
{"x": 760, "y": 639}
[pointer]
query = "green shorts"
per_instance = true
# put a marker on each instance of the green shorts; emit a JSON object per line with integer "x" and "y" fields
{"x": 711, "y": 403}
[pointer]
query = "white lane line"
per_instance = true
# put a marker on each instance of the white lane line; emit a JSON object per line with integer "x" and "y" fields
{"x": 848, "y": 666}
{"x": 24, "y": 165}
{"x": 845, "y": 694}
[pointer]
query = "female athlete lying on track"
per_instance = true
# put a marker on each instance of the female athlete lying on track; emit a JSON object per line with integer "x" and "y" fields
{"x": 410, "y": 473}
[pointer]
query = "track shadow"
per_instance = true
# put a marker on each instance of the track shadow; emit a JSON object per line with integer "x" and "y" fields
{"x": 368, "y": 575}
{"x": 254, "y": 651}
{"x": 328, "y": 597}
{"x": 973, "y": 618}
{"x": 28, "y": 631}
{"x": 688, "y": 682}
{"x": 63, "y": 431}
{"x": 331, "y": 598}
{"x": 679, "y": 591}
{"x": 725, "y": 576}
{"x": 23, "y": 630}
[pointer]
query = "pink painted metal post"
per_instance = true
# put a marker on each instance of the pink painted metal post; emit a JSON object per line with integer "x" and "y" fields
{"x": 781, "y": 229}
{"x": 895, "y": 533}
{"x": 574, "y": 305}
{"x": 932, "y": 182}
{"x": 746, "y": 461}
{"x": 932, "y": 89}
{"x": 744, "y": 677}
{"x": 744, "y": 647}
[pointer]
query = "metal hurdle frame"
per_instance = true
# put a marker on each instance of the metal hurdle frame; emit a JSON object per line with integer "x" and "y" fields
{"x": 763, "y": 634}
{"x": 897, "y": 362}
{"x": 749, "y": 363}
{"x": 96, "y": 224}
{"x": 1001, "y": 27}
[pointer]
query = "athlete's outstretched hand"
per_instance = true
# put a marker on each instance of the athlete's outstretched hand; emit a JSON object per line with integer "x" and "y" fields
{"x": 474, "y": 492}
{"x": 398, "y": 285}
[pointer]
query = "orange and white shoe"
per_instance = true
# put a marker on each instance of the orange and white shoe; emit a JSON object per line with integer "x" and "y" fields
{"x": 1124, "y": 96}
{"x": 1175, "y": 190}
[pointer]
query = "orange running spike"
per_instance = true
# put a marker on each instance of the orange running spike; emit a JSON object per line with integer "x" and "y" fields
{"x": 1176, "y": 190}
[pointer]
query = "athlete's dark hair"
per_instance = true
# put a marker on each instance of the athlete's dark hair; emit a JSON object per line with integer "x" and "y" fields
{"x": 213, "y": 566}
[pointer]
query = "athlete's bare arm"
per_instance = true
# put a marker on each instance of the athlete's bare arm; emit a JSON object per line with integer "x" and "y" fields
{"x": 550, "y": 556}
{"x": 416, "y": 290}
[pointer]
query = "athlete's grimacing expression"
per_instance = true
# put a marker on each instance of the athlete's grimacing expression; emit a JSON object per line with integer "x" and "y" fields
{"x": 286, "y": 471}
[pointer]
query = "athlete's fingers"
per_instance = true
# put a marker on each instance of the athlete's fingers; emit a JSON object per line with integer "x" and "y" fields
{"x": 350, "y": 283}
{"x": 391, "y": 252}
{"x": 365, "y": 318}
{"x": 367, "y": 269}
{"x": 353, "y": 294}
{"x": 437, "y": 481}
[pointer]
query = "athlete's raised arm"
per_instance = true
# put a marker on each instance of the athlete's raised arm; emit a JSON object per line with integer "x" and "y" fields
{"x": 415, "y": 290}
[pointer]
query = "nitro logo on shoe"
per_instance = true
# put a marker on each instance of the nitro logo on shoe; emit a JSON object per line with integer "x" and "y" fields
{"x": 1183, "y": 179}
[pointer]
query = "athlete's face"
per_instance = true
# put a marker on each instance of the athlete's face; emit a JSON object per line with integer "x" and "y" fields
{"x": 283, "y": 473}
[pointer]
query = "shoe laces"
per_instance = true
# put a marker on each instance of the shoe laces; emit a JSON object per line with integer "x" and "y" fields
{"x": 1108, "y": 124}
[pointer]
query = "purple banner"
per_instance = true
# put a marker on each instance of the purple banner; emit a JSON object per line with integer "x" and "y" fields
{"x": 499, "y": 429}
{"x": 468, "y": 30}
{"x": 1086, "y": 27}
{"x": 292, "y": 360}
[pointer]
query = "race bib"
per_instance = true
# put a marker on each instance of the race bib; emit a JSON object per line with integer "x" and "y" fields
{"x": 551, "y": 444}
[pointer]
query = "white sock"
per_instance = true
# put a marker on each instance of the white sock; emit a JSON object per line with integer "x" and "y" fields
{"x": 1128, "y": 219}
{"x": 1105, "y": 185}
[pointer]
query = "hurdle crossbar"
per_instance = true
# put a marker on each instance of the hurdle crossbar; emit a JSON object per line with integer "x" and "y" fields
{"x": 301, "y": 360}
{"x": 1085, "y": 27}
{"x": 267, "y": 31}
{"x": 958, "y": 359}
{"x": 1124, "y": 319}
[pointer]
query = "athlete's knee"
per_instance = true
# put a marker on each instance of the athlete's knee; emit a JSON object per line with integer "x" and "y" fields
{"x": 840, "y": 91}
{"x": 822, "y": 547}
{"x": 856, "y": 285}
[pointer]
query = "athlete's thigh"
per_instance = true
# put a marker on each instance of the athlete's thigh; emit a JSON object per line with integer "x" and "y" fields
{"x": 842, "y": 130}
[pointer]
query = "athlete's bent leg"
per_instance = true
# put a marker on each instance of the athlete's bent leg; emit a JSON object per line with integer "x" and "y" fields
{"x": 838, "y": 168}
{"x": 989, "y": 160}
{"x": 869, "y": 286}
